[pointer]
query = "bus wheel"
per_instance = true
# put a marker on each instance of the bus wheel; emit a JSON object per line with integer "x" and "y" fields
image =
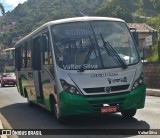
{"x": 30, "y": 104}
{"x": 128, "y": 113}
{"x": 55, "y": 111}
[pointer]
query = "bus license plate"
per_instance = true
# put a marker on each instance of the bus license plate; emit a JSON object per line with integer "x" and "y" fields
{"x": 108, "y": 109}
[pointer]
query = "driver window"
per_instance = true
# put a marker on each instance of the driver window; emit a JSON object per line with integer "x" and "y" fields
{"x": 47, "y": 56}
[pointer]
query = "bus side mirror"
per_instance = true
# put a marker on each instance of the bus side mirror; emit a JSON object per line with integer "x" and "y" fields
{"x": 44, "y": 43}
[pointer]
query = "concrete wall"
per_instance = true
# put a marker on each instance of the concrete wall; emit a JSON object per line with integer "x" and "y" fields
{"x": 152, "y": 75}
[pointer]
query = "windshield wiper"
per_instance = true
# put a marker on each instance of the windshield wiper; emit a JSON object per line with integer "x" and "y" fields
{"x": 111, "y": 50}
{"x": 88, "y": 55}
{"x": 86, "y": 60}
{"x": 97, "y": 46}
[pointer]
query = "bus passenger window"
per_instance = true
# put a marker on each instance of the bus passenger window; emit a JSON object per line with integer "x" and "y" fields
{"x": 36, "y": 54}
{"x": 50, "y": 58}
{"x": 23, "y": 57}
{"x": 47, "y": 58}
{"x": 18, "y": 58}
{"x": 28, "y": 55}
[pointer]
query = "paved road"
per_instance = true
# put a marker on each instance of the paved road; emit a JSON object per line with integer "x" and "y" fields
{"x": 20, "y": 116}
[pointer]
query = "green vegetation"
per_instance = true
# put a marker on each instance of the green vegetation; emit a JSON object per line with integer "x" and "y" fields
{"x": 155, "y": 23}
{"x": 152, "y": 54}
{"x": 33, "y": 13}
{"x": 118, "y": 8}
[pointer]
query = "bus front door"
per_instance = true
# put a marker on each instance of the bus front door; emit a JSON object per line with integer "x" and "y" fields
{"x": 37, "y": 62}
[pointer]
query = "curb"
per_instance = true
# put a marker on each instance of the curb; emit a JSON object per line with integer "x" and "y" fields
{"x": 153, "y": 92}
{"x": 7, "y": 125}
{"x": 1, "y": 127}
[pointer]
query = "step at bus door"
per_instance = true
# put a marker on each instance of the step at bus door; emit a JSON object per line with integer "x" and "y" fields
{"x": 38, "y": 86}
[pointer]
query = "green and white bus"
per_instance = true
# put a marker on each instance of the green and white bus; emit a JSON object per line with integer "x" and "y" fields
{"x": 81, "y": 66}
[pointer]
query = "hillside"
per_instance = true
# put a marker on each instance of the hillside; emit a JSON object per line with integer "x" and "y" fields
{"x": 33, "y": 13}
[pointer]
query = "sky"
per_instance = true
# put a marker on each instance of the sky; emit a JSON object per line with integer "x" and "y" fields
{"x": 9, "y": 5}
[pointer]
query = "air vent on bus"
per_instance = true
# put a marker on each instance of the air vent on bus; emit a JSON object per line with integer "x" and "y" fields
{"x": 102, "y": 89}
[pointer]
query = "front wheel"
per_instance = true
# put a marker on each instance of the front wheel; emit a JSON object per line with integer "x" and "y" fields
{"x": 128, "y": 113}
{"x": 55, "y": 111}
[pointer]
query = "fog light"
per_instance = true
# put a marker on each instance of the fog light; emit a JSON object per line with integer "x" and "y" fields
{"x": 72, "y": 89}
{"x": 140, "y": 81}
{"x": 136, "y": 84}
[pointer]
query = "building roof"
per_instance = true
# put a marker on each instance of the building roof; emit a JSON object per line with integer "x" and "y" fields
{"x": 141, "y": 27}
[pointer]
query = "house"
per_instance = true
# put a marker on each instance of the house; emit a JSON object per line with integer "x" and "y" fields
{"x": 144, "y": 32}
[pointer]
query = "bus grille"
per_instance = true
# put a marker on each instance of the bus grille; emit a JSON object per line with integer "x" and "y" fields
{"x": 99, "y": 103}
{"x": 102, "y": 89}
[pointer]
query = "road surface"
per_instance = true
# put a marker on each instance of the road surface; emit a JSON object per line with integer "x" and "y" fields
{"x": 20, "y": 116}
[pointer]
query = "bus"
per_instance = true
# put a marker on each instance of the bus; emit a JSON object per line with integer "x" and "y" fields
{"x": 81, "y": 66}
{"x": 7, "y": 60}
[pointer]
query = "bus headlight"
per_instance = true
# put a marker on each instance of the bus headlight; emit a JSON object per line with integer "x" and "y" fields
{"x": 69, "y": 88}
{"x": 138, "y": 82}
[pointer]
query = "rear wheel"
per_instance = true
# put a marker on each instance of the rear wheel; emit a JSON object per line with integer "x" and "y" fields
{"x": 128, "y": 113}
{"x": 30, "y": 104}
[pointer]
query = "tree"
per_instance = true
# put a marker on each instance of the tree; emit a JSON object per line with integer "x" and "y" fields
{"x": 117, "y": 8}
{"x": 2, "y": 9}
{"x": 156, "y": 4}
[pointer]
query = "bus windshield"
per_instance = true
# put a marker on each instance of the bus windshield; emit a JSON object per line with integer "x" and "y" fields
{"x": 93, "y": 45}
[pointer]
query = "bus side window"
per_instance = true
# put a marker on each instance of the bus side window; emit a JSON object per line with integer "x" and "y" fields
{"x": 25, "y": 54}
{"x": 22, "y": 56}
{"x": 36, "y": 54}
{"x": 29, "y": 54}
{"x": 18, "y": 58}
{"x": 50, "y": 55}
{"x": 46, "y": 49}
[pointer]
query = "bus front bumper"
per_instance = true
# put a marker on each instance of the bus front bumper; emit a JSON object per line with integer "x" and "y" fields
{"x": 71, "y": 104}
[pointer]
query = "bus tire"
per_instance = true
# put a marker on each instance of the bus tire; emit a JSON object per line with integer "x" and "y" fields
{"x": 128, "y": 113}
{"x": 30, "y": 104}
{"x": 55, "y": 110}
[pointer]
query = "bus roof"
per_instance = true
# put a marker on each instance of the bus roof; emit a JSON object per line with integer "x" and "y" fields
{"x": 85, "y": 18}
{"x": 67, "y": 20}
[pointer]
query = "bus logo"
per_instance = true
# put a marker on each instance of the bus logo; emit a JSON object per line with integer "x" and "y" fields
{"x": 104, "y": 75}
{"x": 107, "y": 89}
